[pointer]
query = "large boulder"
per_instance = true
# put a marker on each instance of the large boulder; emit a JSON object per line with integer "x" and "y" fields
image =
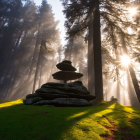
{"x": 60, "y": 94}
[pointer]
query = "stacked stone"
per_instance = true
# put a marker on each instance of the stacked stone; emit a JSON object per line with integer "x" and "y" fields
{"x": 62, "y": 94}
{"x": 67, "y": 72}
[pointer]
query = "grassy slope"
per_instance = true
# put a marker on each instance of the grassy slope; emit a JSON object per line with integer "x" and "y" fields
{"x": 107, "y": 121}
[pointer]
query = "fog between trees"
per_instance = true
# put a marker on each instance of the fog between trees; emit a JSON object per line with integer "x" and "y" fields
{"x": 29, "y": 42}
{"x": 30, "y": 45}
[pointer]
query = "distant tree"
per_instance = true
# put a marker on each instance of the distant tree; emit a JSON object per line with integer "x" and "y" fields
{"x": 29, "y": 40}
{"x": 47, "y": 33}
{"x": 10, "y": 15}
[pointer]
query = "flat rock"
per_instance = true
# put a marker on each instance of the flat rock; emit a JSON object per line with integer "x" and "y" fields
{"x": 66, "y": 75}
{"x": 53, "y": 84}
{"x": 63, "y": 90}
{"x": 66, "y": 95}
{"x": 65, "y": 67}
{"x": 64, "y": 102}
{"x": 30, "y": 101}
{"x": 75, "y": 87}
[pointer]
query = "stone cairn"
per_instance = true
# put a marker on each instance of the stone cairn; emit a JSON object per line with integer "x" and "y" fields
{"x": 67, "y": 72}
{"x": 62, "y": 94}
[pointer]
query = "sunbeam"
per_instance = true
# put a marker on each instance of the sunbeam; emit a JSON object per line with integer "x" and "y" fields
{"x": 125, "y": 60}
{"x": 132, "y": 11}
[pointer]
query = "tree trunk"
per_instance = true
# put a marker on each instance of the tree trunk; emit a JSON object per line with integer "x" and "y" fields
{"x": 33, "y": 61}
{"x": 134, "y": 81}
{"x": 97, "y": 53}
{"x": 36, "y": 72}
{"x": 130, "y": 68}
{"x": 40, "y": 75}
{"x": 91, "y": 75}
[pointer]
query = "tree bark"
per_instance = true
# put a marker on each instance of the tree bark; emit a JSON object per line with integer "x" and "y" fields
{"x": 91, "y": 76}
{"x": 97, "y": 53}
{"x": 130, "y": 69}
{"x": 134, "y": 81}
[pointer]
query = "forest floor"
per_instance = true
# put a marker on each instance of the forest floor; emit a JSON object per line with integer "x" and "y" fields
{"x": 109, "y": 121}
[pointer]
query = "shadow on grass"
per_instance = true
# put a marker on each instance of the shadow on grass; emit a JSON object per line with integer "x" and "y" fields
{"x": 22, "y": 122}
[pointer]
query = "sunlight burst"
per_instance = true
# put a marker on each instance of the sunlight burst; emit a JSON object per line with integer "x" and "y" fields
{"x": 125, "y": 60}
{"x": 132, "y": 11}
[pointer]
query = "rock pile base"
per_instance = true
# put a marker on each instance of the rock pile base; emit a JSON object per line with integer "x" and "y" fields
{"x": 60, "y": 94}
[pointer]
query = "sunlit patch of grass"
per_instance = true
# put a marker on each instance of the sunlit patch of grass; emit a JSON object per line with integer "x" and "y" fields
{"x": 77, "y": 115}
{"x": 7, "y": 104}
{"x": 104, "y": 121}
{"x": 91, "y": 127}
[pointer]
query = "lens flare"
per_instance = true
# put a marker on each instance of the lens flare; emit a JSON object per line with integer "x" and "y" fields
{"x": 125, "y": 60}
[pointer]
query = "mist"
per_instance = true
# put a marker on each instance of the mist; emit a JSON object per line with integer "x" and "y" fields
{"x": 76, "y": 52}
{"x": 29, "y": 47}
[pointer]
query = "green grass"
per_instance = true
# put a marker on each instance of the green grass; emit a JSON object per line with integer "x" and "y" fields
{"x": 106, "y": 121}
